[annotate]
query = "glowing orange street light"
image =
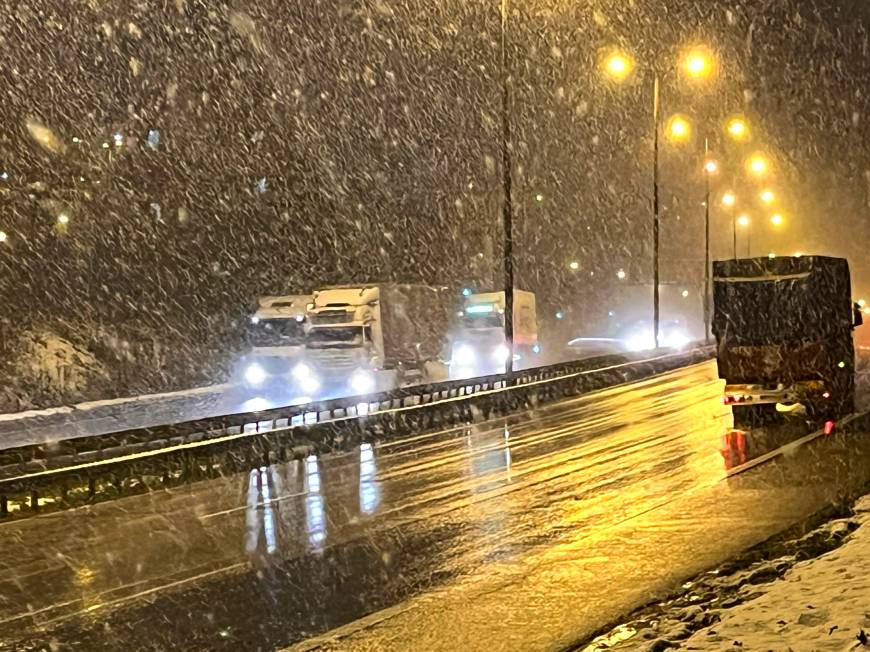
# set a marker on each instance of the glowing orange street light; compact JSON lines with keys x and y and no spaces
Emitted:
{"x":618,"y":66}
{"x":737,"y":128}
{"x":758,"y":165}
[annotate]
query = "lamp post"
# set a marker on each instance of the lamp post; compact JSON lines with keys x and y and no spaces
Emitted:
{"x":697,"y":64}
{"x":710,"y":168}
{"x":507,"y":188}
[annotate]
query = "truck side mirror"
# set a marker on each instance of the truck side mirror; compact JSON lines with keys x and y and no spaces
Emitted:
{"x":858,"y":319}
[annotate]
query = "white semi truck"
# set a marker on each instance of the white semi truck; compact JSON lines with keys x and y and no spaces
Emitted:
{"x":368,"y":338}
{"x":276,"y":337}
{"x":478,"y":346}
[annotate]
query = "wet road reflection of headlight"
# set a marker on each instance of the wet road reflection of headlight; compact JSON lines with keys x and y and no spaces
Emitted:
{"x":362,"y":382}
{"x":464,"y":356}
{"x":255,"y":374}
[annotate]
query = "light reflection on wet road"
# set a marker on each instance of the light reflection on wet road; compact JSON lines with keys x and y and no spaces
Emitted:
{"x":507,"y":535}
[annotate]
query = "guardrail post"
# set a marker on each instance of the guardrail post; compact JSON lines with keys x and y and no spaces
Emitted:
{"x":4,"y":506}
{"x":34,"y":500}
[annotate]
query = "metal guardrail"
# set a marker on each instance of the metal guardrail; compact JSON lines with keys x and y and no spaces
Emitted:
{"x":73,"y":471}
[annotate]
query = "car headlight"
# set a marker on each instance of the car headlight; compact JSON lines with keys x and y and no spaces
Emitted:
{"x":464,"y":355}
{"x":640,"y":342}
{"x":255,"y":374}
{"x":362,"y":382}
{"x":302,"y":371}
{"x":676,"y":340}
{"x":500,"y":354}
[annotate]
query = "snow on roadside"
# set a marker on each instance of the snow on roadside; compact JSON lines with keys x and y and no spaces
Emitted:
{"x":819,"y":604}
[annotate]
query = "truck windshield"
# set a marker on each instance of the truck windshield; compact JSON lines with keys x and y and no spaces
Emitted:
{"x":276,"y":332}
{"x":344,"y":336}
{"x":485,"y":320}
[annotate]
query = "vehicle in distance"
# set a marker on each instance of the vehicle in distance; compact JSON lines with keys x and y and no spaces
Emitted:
{"x":368,"y":338}
{"x":783,"y":328}
{"x":276,"y":338}
{"x":478,"y":346}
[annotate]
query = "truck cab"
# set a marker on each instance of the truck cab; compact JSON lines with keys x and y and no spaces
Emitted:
{"x":275,"y":334}
{"x":364,"y":339}
{"x":478,"y":346}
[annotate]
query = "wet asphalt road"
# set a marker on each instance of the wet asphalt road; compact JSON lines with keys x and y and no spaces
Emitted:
{"x":520,"y":534}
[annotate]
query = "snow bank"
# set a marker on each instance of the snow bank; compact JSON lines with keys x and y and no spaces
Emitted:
{"x":820,"y":604}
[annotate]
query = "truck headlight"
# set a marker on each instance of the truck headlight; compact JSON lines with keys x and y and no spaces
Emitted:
{"x":255,"y":374}
{"x":362,"y":382}
{"x":464,"y":356}
{"x":302,"y":371}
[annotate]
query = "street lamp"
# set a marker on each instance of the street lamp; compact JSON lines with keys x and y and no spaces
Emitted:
{"x":698,"y":63}
{"x":679,"y":129}
{"x":710,"y":168}
{"x":574,"y":265}
{"x":737,"y":128}
{"x":3,"y":236}
{"x":758,"y":165}
{"x":767,"y":196}
{"x":507,"y":190}
{"x":776,"y":219}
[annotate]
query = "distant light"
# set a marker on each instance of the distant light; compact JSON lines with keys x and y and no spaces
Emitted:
{"x":698,"y":63}
{"x":841,"y":364}
{"x":482,"y":309}
{"x":559,"y":314}
{"x":771,"y":255}
{"x":3,"y":236}
{"x":63,"y":218}
{"x":539,"y":197}
{"x":729,"y":199}
{"x":862,"y":302}
{"x":255,"y":319}
{"x":737,"y":128}
{"x":153,"y":138}
{"x":76,"y":139}
{"x":743,"y":220}
{"x":574,"y":264}
{"x":798,"y":254}
{"x":611,"y":313}
{"x":678,"y":128}
{"x":618,"y":66}
{"x":867,"y":311}
{"x":776,"y":220}
{"x":711,"y":167}
{"x":829,"y":427}
{"x":466,"y":292}
{"x":105,"y":145}
{"x":118,"y":138}
{"x":300,"y":318}
{"x":536,"y":348}
{"x":767,"y":196}
{"x":4,"y":175}
{"x":758,"y":164}
{"x":685,"y":293}
{"x":620,"y":274}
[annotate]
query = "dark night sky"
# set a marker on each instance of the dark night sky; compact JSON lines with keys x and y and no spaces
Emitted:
{"x":375,"y":125}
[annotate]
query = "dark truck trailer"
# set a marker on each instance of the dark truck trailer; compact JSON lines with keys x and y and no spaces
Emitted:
{"x":783,"y":327}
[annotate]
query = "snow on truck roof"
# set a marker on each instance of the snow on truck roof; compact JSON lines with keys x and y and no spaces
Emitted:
{"x":283,"y":306}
